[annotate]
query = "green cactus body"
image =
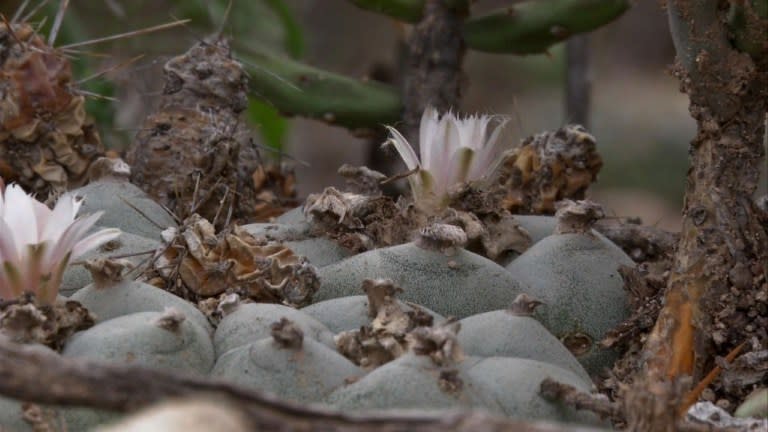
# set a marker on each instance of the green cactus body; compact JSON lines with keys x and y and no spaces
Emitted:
{"x":129,"y":297}
{"x":126,"y":207}
{"x":406,"y":10}
{"x":320,"y":251}
{"x":351,"y":313}
{"x":141,"y":338}
{"x":531,"y":27}
{"x":514,"y":384}
{"x":459,"y":285}
{"x":251,"y":322}
{"x":295,"y":216}
{"x":411,"y":382}
{"x":577,"y":278}
{"x":128,"y":245}
{"x":161,"y":340}
{"x":503,"y":334}
{"x":297,"y":89}
{"x":304,"y":374}
{"x":755,"y":405}
{"x":537,"y":226}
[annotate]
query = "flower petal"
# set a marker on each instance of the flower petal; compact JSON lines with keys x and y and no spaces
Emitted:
{"x":49,"y":288}
{"x":94,"y":240}
{"x":489,"y":156}
{"x":451,"y":142}
{"x":20,"y":217}
{"x":404,"y":149}
{"x":71,"y":236}
{"x":428,"y":143}
{"x":2,"y":200}
{"x":42,"y":217}
{"x":62,"y":216}
{"x":458,"y":168}
{"x":8,"y":250}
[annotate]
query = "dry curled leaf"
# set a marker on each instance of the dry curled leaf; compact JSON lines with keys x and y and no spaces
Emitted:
{"x":207,"y":264}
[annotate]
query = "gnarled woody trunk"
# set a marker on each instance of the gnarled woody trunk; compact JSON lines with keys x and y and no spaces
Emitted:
{"x":722,"y":257}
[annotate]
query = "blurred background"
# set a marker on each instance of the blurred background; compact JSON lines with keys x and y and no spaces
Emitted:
{"x":639,"y":117}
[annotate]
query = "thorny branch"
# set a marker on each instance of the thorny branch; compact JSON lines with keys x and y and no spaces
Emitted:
{"x":125,"y":388}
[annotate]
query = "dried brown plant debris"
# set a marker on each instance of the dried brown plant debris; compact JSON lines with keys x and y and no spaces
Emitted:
{"x":385,"y":338}
{"x":275,"y":186}
{"x":491,"y":230}
{"x":549,"y":167}
{"x":286,"y":334}
{"x":47,"y":142}
{"x":24,"y":321}
{"x":193,"y":155}
{"x":362,"y":222}
{"x":439,"y":342}
{"x":197,"y":263}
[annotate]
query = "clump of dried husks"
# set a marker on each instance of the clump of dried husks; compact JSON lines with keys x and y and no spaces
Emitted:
{"x":47,"y":142}
{"x":275,"y":191}
{"x":197,"y":263}
{"x":549,"y":167}
{"x":362,"y":222}
{"x":24,"y":320}
{"x":491,"y":230}
{"x":385,"y":338}
{"x":193,"y":155}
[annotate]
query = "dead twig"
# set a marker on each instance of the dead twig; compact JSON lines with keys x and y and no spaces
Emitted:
{"x":125,"y":388}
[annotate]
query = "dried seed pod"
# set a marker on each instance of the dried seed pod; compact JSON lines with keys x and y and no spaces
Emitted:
{"x":47,"y":143}
{"x":547,"y":168}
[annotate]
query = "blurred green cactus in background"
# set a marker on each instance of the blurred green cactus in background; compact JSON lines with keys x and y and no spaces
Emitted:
{"x":529,"y":27}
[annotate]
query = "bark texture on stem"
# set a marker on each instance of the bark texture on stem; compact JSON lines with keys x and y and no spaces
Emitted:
{"x":578,"y":81}
{"x":433,"y":72}
{"x":722,"y":258}
{"x":125,"y":388}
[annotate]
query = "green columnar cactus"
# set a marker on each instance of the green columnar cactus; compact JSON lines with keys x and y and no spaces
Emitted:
{"x":405,"y":10}
{"x":748,"y":37}
{"x":298,"y":89}
{"x":531,"y":27}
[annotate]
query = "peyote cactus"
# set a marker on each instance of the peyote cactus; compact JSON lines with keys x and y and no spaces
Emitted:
{"x":474,"y":293}
{"x":575,"y":273}
{"x":434,"y":271}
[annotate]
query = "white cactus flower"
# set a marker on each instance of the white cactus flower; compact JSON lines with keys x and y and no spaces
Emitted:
{"x":37,"y":243}
{"x":453,"y":150}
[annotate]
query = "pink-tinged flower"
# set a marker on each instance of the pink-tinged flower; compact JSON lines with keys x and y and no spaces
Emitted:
{"x":37,"y":243}
{"x":453,"y":150}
